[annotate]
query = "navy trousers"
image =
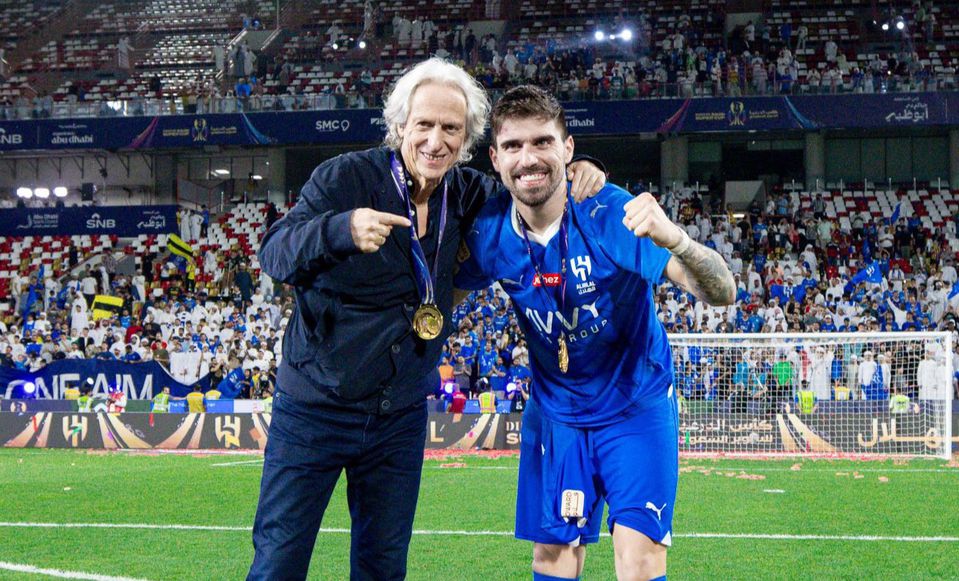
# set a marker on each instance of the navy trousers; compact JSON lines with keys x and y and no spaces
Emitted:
{"x":308,"y":447}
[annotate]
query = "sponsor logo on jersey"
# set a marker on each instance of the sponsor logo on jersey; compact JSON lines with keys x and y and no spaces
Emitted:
{"x":504,"y":282}
{"x":548,"y":279}
{"x":588,"y":315}
{"x":592,"y":213}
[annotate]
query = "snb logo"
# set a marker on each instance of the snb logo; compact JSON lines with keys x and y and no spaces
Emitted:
{"x":96,"y":221}
{"x":332,"y":126}
{"x":10,"y":138}
{"x":582,"y":267}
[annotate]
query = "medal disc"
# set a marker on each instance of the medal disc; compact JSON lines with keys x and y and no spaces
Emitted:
{"x":427,"y":322}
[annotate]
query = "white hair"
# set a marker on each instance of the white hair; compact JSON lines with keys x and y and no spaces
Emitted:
{"x":439,"y":71}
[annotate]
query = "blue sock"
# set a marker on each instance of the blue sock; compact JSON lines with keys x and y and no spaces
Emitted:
{"x":545,"y":577}
{"x":663,"y":578}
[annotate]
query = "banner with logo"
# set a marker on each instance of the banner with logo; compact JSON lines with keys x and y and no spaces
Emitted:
{"x":245,"y":431}
{"x":862,"y":433}
{"x":92,"y":133}
{"x":135,"y":431}
{"x":137,"y":380}
{"x":877,"y":111}
{"x":15,"y":135}
{"x":348,"y":126}
{"x":109,"y":220}
{"x":852,"y":432}
{"x":366,"y":126}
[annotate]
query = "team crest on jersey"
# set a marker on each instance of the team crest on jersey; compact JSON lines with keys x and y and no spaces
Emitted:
{"x":582,"y":267}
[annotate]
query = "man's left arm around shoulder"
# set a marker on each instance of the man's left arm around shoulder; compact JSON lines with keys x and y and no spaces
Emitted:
{"x":587,"y":176}
{"x":700,"y":270}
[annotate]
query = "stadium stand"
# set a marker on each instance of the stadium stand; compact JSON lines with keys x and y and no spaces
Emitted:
{"x":677,"y":49}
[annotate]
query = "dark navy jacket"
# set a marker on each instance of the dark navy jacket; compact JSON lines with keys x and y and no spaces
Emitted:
{"x":349,"y":343}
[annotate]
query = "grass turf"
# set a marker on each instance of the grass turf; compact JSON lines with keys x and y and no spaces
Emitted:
{"x":474,"y":493}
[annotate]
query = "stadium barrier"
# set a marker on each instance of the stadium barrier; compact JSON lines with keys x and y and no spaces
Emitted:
{"x":213,"y":431}
{"x":873,"y":433}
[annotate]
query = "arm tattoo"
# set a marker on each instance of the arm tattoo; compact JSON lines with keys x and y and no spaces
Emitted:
{"x":709,"y":277}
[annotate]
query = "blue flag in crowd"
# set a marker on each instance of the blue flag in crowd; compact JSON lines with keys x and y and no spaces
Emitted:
{"x":62,"y":297}
{"x":778,"y":291}
{"x":32,"y":295}
{"x":180,"y":262}
{"x":230,"y":386}
{"x":871,"y":273}
{"x":895,"y":215}
{"x":955,"y":290}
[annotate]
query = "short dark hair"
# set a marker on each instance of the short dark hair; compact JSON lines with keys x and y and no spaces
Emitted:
{"x":527,"y":101}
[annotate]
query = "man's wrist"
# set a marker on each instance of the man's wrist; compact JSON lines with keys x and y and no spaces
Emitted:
{"x":682,"y":246}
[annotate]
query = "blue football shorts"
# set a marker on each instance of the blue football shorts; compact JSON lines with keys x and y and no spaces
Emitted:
{"x":567,"y":474}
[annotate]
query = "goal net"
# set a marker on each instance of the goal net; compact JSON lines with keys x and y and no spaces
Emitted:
{"x":829,"y":394}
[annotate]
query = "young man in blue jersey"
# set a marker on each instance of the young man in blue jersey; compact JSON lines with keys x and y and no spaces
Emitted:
{"x":601,"y":422}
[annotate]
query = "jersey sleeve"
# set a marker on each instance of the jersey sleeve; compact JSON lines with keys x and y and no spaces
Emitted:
{"x":639,"y":255}
{"x":470,"y":273}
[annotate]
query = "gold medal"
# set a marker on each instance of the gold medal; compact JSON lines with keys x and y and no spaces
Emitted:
{"x":563,"y":355}
{"x":427,"y":322}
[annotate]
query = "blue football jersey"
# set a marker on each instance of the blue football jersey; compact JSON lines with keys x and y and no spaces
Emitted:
{"x":618,"y":353}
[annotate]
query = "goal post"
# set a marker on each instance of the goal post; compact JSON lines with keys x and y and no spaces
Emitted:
{"x":815,"y":394}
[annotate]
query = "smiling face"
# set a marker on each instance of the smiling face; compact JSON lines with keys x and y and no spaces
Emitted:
{"x":530,"y":154}
{"x":434,"y":132}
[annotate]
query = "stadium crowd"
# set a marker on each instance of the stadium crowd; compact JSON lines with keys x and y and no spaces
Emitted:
{"x":796,"y":269}
{"x":684,"y":57}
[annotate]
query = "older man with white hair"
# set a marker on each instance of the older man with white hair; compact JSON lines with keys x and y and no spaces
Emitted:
{"x":369,"y":250}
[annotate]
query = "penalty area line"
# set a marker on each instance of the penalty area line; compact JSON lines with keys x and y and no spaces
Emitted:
{"x":426,"y":532}
{"x":30,"y":569}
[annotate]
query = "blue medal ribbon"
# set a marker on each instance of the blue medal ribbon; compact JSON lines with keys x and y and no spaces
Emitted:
{"x":425,"y":278}
{"x":563,"y":253}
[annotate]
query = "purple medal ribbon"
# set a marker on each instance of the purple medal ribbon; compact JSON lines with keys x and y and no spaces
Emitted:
{"x":424,"y":277}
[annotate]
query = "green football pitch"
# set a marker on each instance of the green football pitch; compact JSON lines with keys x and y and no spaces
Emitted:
{"x":137,"y":516}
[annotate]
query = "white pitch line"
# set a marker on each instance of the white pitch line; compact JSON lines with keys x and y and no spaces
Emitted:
{"x":19,"y":568}
{"x":241,"y":463}
{"x":174,"y":527}
{"x":770,"y":537}
{"x":423,"y":532}
{"x":835,"y":469}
